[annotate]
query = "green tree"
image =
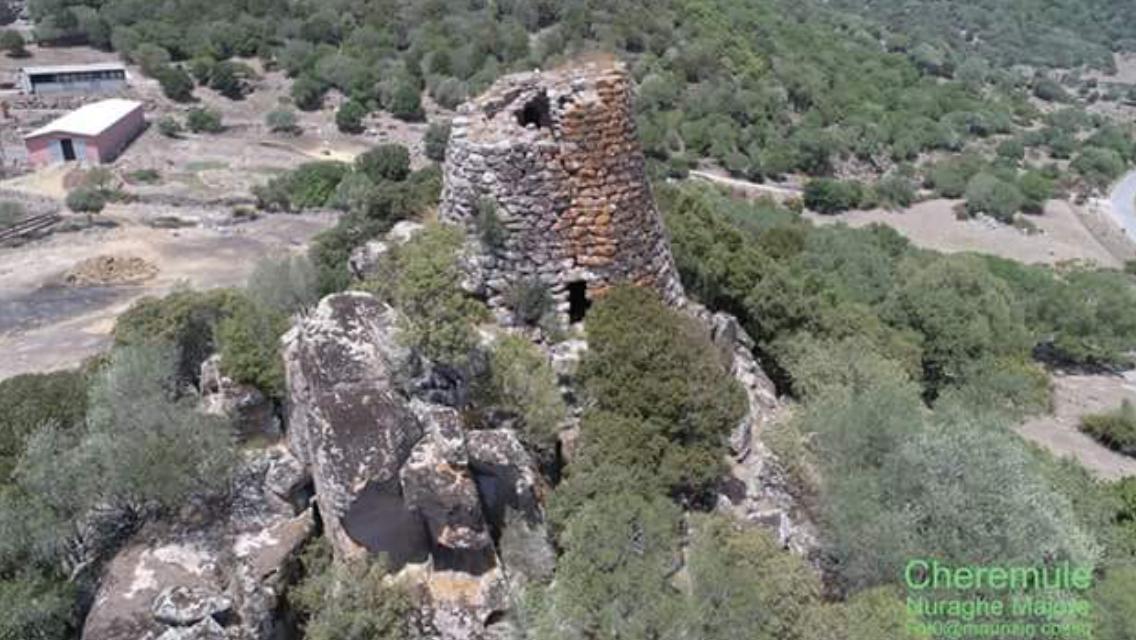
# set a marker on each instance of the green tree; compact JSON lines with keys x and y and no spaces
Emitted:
{"x":86,"y":200}
{"x":176,"y":83}
{"x":986,"y":193}
{"x":12,"y":42}
{"x":249,"y":340}
{"x":688,"y":399}
{"x":307,"y":93}
{"x":349,"y":117}
{"x":32,"y":607}
{"x":437,"y":316}
{"x":825,"y":195}
{"x":384,"y":162}
{"x":151,"y":57}
{"x":285,"y":284}
{"x":225,"y":78}
{"x":32,"y":400}
{"x":406,"y":102}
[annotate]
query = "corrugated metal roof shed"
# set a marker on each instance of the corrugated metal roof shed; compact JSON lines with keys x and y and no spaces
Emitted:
{"x":73,"y":68}
{"x":89,"y":120}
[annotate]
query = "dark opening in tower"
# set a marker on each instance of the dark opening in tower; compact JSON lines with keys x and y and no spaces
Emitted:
{"x":537,"y":112}
{"x":578,"y":302}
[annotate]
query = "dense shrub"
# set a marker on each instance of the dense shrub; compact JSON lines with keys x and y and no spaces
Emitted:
{"x":489,"y":225}
{"x":435,"y":141}
{"x":406,"y":103}
{"x":993,"y":196}
{"x":349,"y":117}
{"x":176,"y":83}
{"x":530,"y":301}
{"x":307,"y":93}
{"x":86,"y":200}
{"x":284,"y":284}
{"x":309,"y":186}
{"x":521,"y":381}
{"x":204,"y":120}
{"x":1116,"y":429}
{"x":249,"y":341}
{"x":688,"y":400}
{"x":11,"y":211}
{"x":282,"y":121}
{"x":169,"y":127}
{"x":384,"y":162}
{"x":825,"y":195}
{"x":34,"y":608}
{"x":341,"y":600}
{"x":31,"y":400}
{"x":437,"y":316}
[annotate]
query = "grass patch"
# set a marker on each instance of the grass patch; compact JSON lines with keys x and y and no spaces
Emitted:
{"x":205,"y":165}
{"x":1116,"y":429}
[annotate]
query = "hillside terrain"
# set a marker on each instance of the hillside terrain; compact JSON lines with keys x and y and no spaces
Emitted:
{"x":634,"y":320}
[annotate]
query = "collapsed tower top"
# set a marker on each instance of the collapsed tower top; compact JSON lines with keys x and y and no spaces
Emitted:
{"x":546,"y":168}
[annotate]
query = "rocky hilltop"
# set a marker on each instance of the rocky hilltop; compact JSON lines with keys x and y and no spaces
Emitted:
{"x":377,"y":450}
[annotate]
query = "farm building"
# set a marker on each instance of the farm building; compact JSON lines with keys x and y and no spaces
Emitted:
{"x":77,"y":78}
{"x":94,"y":133}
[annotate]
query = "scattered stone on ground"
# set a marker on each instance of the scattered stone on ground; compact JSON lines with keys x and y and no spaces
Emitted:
{"x":108,"y":270}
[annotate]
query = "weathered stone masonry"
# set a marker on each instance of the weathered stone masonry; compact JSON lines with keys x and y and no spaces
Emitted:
{"x":557,"y":154}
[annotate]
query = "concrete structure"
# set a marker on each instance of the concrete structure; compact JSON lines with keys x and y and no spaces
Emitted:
{"x":94,"y":133}
{"x":100,"y":77}
{"x":555,"y":157}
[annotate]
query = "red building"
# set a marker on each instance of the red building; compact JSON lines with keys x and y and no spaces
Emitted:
{"x":94,"y":134}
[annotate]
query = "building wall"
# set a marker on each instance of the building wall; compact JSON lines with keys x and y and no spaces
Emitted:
{"x":47,"y":149}
{"x":558,"y":156}
{"x":111,"y":142}
{"x":94,"y":85}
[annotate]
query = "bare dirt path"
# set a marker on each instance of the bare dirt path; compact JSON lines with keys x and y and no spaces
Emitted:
{"x":745,"y":187}
{"x":1075,"y":396}
{"x":44,"y":326}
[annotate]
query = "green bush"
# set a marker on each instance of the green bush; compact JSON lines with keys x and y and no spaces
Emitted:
{"x":12,"y":42}
{"x":309,"y":186}
{"x":185,"y":319}
{"x":200,"y":120}
{"x":164,"y":451}
{"x":226,"y":78}
{"x":249,"y":341}
{"x":1116,"y":429}
{"x":489,"y":226}
{"x":282,"y":121}
{"x":176,"y":83}
{"x":406,"y":103}
{"x":285,"y":284}
{"x":33,"y":608}
{"x":349,"y":117}
{"x":1114,"y":603}
{"x":649,"y":362}
{"x":825,"y":195}
{"x":996,"y":198}
{"x":307,"y":93}
{"x":350,"y":600}
{"x":169,"y":127}
{"x":435,"y":141}
{"x":438,"y":318}
{"x":385,"y":162}
{"x":530,"y":301}
{"x":521,"y":381}
{"x":144,"y":176}
{"x":86,"y":200}
{"x":31,"y":400}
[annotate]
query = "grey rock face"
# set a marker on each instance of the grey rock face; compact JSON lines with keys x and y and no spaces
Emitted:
{"x":365,"y":260}
{"x":348,"y":422}
{"x":219,"y":579}
{"x":182,"y":606}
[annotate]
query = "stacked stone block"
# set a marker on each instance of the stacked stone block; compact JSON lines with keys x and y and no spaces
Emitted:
{"x":556,"y":156}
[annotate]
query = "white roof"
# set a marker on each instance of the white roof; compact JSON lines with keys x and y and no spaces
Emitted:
{"x":74,"y":68}
{"x":89,"y":120}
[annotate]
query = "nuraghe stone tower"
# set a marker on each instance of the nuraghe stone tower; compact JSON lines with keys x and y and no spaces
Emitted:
{"x":555,"y":155}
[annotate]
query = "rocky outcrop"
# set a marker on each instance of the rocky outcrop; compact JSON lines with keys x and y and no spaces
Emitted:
{"x":250,"y":412}
{"x":396,"y":472}
{"x":366,"y":260}
{"x":210,"y":576}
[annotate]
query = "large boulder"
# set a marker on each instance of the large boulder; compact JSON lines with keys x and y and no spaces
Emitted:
{"x":350,"y":424}
{"x":208,"y":575}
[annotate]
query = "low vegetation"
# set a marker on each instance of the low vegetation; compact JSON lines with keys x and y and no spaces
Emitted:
{"x":1116,"y":429}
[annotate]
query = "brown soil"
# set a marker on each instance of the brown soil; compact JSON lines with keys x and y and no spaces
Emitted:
{"x":107,"y":270}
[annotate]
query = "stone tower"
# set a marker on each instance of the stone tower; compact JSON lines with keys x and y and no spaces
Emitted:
{"x":550,"y":161}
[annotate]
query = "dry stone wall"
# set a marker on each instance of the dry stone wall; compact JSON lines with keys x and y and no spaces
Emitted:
{"x":555,"y":157}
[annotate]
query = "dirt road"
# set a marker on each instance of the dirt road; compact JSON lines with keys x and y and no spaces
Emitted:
{"x":1075,"y":396}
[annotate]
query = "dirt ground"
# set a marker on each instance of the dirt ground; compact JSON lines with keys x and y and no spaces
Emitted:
{"x":45,"y":326}
{"x":932,"y":225}
{"x":1075,"y":396}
